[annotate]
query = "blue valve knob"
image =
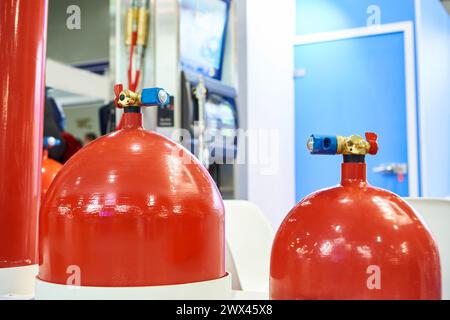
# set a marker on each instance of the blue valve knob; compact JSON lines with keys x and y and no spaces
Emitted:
{"x":318,"y":144}
{"x":154,"y":97}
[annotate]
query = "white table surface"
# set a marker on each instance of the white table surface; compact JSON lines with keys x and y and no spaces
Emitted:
{"x":236,"y":295}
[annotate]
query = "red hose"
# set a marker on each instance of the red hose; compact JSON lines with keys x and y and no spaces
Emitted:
{"x":132,"y":83}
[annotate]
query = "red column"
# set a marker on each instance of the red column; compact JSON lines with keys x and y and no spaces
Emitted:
{"x":23,"y":25}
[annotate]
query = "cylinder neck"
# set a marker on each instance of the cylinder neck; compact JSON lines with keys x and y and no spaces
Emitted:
{"x":132,"y":118}
{"x":353,"y":172}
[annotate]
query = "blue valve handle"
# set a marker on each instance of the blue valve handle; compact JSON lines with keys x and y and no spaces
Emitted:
{"x":320,"y":144}
{"x":50,"y":142}
{"x":154,"y":97}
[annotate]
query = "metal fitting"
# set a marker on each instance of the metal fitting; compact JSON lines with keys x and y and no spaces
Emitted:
{"x":352,"y":145}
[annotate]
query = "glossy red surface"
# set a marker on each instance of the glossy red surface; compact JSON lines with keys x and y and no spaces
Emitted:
{"x":354,"y":241}
{"x":49,"y":170}
{"x":22,"y":59}
{"x":132,"y":209}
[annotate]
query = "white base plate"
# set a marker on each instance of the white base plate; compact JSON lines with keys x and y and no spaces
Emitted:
{"x":18,"y":281}
{"x":219,"y":289}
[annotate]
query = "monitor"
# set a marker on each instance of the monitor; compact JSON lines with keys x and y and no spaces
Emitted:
{"x":203,"y":25}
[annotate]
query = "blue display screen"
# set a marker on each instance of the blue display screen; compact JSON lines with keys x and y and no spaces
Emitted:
{"x":202,"y":35}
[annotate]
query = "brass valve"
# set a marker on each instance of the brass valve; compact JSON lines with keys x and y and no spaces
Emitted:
{"x":354,"y":144}
{"x":128,"y":98}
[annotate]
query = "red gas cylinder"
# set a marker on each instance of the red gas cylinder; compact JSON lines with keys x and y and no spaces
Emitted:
{"x":50,"y":167}
{"x":131,"y":209}
{"x":22,"y":61}
{"x":353,"y":241}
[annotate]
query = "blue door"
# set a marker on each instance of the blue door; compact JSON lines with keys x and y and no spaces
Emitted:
{"x":349,"y":87}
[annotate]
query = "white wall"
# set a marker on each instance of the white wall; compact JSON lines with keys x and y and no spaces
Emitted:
{"x":266,"y":88}
{"x":90,"y":43}
{"x":433,"y":41}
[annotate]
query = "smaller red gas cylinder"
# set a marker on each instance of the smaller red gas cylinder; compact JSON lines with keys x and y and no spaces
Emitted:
{"x":353,"y":241}
{"x":50,"y":167}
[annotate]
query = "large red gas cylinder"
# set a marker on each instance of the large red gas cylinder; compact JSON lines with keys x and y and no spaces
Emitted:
{"x":50,"y":167}
{"x":22,"y":61}
{"x":132,"y":209}
{"x":353,"y":241}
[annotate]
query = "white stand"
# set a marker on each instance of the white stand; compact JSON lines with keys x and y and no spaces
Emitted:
{"x":18,"y":281}
{"x":219,"y":289}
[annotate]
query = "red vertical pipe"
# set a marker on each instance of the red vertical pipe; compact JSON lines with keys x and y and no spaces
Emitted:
{"x":23,"y":25}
